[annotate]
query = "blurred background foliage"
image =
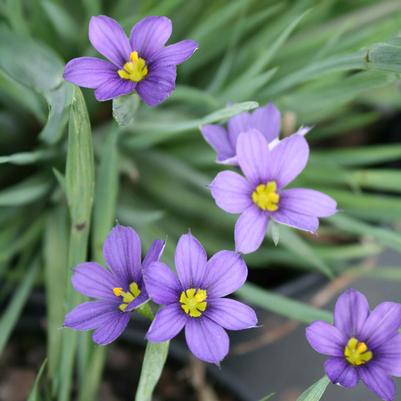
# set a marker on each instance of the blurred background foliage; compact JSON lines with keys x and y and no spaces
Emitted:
{"x":333,"y":64}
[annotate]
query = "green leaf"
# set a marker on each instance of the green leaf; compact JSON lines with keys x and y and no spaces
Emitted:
{"x":34,"y":393}
{"x":25,"y":192}
{"x":352,"y":225}
{"x":383,"y":56}
{"x":63,"y":23}
{"x":282,"y":305}
{"x":267,"y":397}
{"x":17,"y":302}
{"x":154,"y":360}
{"x":59,"y":101}
{"x":79,"y":174}
{"x":106,"y":193}
{"x":25,"y":158}
{"x":275,"y":230}
{"x":43,"y":73}
{"x":151,"y":133}
{"x":80,"y":192}
{"x":125,"y":108}
{"x":316,"y":391}
{"x":301,"y":248}
{"x":55,"y":261}
{"x":29,"y":62}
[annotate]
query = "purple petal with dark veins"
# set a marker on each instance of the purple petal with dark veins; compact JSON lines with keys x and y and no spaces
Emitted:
{"x":89,"y":72}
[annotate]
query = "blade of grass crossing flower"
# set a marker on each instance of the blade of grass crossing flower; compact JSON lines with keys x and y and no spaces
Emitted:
{"x":153,"y":363}
{"x":282,"y":305}
{"x":316,"y":391}
{"x":151,"y":133}
{"x":14,"y":308}
{"x":106,"y":191}
{"x":55,"y":258}
{"x":34,"y":393}
{"x":80,"y":192}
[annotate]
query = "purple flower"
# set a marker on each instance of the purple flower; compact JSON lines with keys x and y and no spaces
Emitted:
{"x":361,"y":344}
{"x":266,"y":120}
{"x":141,"y":63}
{"x":261,"y":194}
{"x":195,"y":300}
{"x":117,"y":290}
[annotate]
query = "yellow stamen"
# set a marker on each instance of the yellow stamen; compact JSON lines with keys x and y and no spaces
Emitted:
{"x":127,"y":297}
{"x":134,"y":70}
{"x":357,"y":353}
{"x":266,"y":197}
{"x":193,"y":302}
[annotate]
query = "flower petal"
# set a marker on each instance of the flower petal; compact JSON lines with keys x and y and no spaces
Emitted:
{"x":389,"y":356}
{"x":341,"y":372}
{"x":157,"y":86}
{"x":351,"y":312}
{"x":308,"y":201}
{"x":267,"y":120}
{"x":161,"y":283}
{"x":109,"y":39}
{"x":217,"y":137}
{"x":231,"y":314}
{"x":326,"y":339}
{"x":112,"y":329}
{"x":288,"y":159}
{"x":154,"y":253}
{"x":190,"y":261}
{"x":250,"y":230}
{"x":168,"y":322}
{"x":206,"y":339}
{"x":174,"y":54}
{"x":231,"y":192}
{"x":236,"y":125}
{"x":296,"y":220}
{"x":382,"y":324}
{"x":226,"y":271}
{"x":89,"y":72}
{"x":149,"y":35}
{"x":94,"y":281}
{"x":91,"y":315}
{"x":114,"y":88}
{"x":377,"y":381}
{"x":253,"y":156}
{"x":122,"y":252}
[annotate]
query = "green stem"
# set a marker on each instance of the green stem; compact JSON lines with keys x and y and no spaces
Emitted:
{"x":152,"y":367}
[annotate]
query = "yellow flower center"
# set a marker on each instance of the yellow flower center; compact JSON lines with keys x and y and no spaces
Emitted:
{"x":127,"y":297}
{"x":357,"y":353}
{"x":134,"y":70}
{"x":266,"y":197}
{"x":193,"y":302}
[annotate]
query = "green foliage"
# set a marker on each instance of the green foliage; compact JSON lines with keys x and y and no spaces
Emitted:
{"x":333,"y":65}
{"x":316,"y":391}
{"x":155,"y":357}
